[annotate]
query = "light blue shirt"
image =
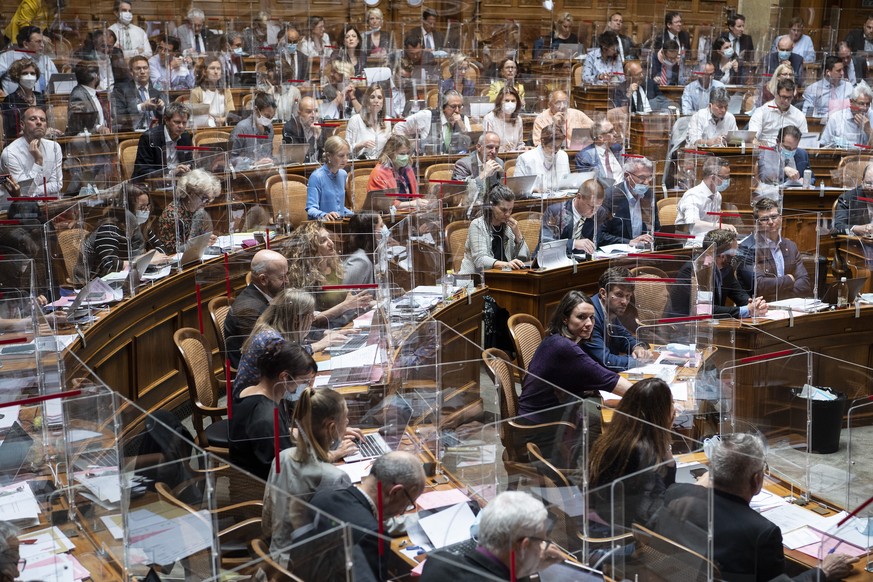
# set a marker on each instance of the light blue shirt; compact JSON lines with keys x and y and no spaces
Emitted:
{"x":595,"y":65}
{"x":325,"y":193}
{"x":695,"y":97}
{"x":822,"y":97}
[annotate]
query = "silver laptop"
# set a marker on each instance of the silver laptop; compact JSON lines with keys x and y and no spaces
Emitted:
{"x":809,"y":140}
{"x":479,"y":106}
{"x":196,"y":247}
{"x":574,"y":180}
{"x":736,"y":138}
{"x":521,"y":185}
{"x":567,"y":51}
{"x":292,"y":154}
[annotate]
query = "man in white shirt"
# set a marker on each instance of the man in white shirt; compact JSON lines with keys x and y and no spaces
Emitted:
{"x":452,"y":124}
{"x":548,"y":161}
{"x":560,"y":114}
{"x":696,"y":94}
{"x":851,"y":126}
{"x":802,"y":43}
{"x":132,"y":40}
{"x":710,"y":125}
{"x":767,"y":120}
{"x":696,"y":204}
{"x":33,"y":161}
{"x":830,"y":94}
{"x":32,"y":46}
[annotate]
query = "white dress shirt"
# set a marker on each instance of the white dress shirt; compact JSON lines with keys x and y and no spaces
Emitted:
{"x":131,"y":38}
{"x":533,"y":163}
{"x":823,"y":97}
{"x":842,"y":130}
{"x":767,"y":120}
{"x":606,"y":159}
{"x":357,"y":131}
{"x":92,"y":93}
{"x":702,"y":126}
{"x":695,"y":204}
{"x":17,"y":161}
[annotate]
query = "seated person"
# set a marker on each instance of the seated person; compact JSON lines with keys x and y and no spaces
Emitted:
{"x":31,"y":44}
{"x":505,"y":120}
{"x":767,"y":90}
{"x":320,"y":417}
{"x":508,"y":70}
{"x":697,"y":93}
{"x":769,"y":265}
{"x":783,"y":55}
{"x":136,"y":103}
{"x":156,"y":151}
{"x":10,"y":558}
{"x":326,"y":189}
{"x":494,"y":240}
{"x":512,"y":528}
{"x":169,"y":70}
{"x":85,"y":111}
{"x":377,"y":44}
{"x":696,"y":204}
{"x":559,"y":114}
{"x":632,"y":203}
{"x":186,"y":217}
{"x":854,"y":66}
{"x":599,"y":157}
{"x":342,"y":96}
{"x":710,"y":125}
{"x":767,"y":120}
{"x":575,"y":220}
{"x":785,"y":164}
{"x":402,"y":480}
{"x":132,"y":39}
{"x":259,"y":150}
{"x":627,"y":50}
{"x":611,"y":344}
{"x":292,"y":63}
{"x":302,"y":129}
{"x":634,"y":455}
{"x":269,"y":275}
{"x":829,"y":94}
{"x":33,"y":158}
{"x":439,"y":131}
{"x":802,"y":43}
{"x":851,"y":215}
{"x":746,"y":545}
{"x":603,"y":65}
{"x":851,"y":126}
{"x":482,"y":169}
{"x":283,"y":368}
{"x":728,"y":68}
{"x":212,"y":90}
{"x":393,"y":172}
{"x":364,"y":231}
{"x":25,"y":72}
{"x":637,"y":92}
{"x":459,"y":64}
{"x":368,"y":131}
{"x":666,"y":67}
{"x":548,"y":161}
{"x":724,"y":283}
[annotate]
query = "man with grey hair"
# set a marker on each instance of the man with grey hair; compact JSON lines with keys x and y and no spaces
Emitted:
{"x":269,"y":277}
{"x":441,"y":130}
{"x":710,"y":125}
{"x":513,"y":521}
{"x":194,"y":36}
{"x":631,"y":203}
{"x":697,"y":203}
{"x":746,"y":545}
{"x":852,"y":216}
{"x":399,"y":476}
{"x":599,"y":157}
{"x":562,"y":115}
{"x":482,"y":169}
{"x":9,"y":556}
{"x":851,"y":126}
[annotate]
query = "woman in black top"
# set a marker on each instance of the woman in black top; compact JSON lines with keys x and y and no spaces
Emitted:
{"x":284,"y":367}
{"x":26,"y":73}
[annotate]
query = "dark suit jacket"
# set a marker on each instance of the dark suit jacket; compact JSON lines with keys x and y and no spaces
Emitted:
{"x":298,"y":70}
{"x":618,"y":94}
{"x":472,"y":566}
{"x":610,"y":341}
{"x":82,"y":114}
{"x":679,"y":303}
{"x":13,"y":108}
{"x":150,"y":156}
{"x":855,"y":40}
{"x":468,"y":167}
{"x":292,"y":132}
{"x":747,"y":47}
{"x":618,"y":229}
{"x":241,"y":318}
{"x":125,"y":98}
{"x":860,"y":64}
{"x":676,"y":77}
{"x":747,"y":546}
{"x":770,"y":285}
{"x":558,"y":224}
{"x":771,"y":61}
{"x":850,"y":211}
{"x":684,"y":40}
{"x":439,"y":39}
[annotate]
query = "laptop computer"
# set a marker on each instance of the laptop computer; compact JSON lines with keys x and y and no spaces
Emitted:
{"x":580,"y":138}
{"x":13,"y":452}
{"x":735,"y":138}
{"x":521,"y":185}
{"x":196,"y":247}
{"x":809,"y":140}
{"x":567,"y":51}
{"x":392,"y":416}
{"x":574,"y":180}
{"x":855,"y":286}
{"x":62,"y":83}
{"x":553,"y":254}
{"x":568,"y":571}
{"x":479,"y":106}
{"x":735,"y":105}
{"x":293,"y":154}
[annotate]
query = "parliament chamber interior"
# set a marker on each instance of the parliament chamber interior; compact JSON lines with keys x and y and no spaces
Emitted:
{"x":532,"y":290}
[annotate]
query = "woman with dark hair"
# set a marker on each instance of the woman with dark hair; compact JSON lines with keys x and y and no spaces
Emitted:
{"x":508,"y":71}
{"x":260,"y":123}
{"x":727,"y":65}
{"x":367,"y":131}
{"x":283,"y":368}
{"x":351,"y":51}
{"x":394,"y":172}
{"x":561,"y":371}
{"x":316,"y":43}
{"x":458,"y":81}
{"x":494,"y":240}
{"x":211,"y":89}
{"x":364,"y":228}
{"x":634,"y":454}
{"x":505,"y":121}
{"x":26,"y":73}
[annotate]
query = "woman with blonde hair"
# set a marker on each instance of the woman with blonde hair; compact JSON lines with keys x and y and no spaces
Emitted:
{"x":562,"y":31}
{"x":326,"y":189}
{"x":377,"y":44}
{"x":211,"y":89}
{"x":458,"y":81}
{"x":394,"y":172}
{"x":367,"y":131}
{"x":186,"y":217}
{"x":768,"y":91}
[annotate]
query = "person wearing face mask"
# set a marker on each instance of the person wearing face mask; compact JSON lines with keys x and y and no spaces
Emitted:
{"x":292,"y":64}
{"x":728,"y":69}
{"x":186,"y":217}
{"x":258,"y":149}
{"x":851,"y":125}
{"x":25,"y":73}
{"x":282,"y":368}
{"x":326,"y":189}
{"x":394,"y":173}
{"x":212,"y":90}
{"x":710,"y":125}
{"x":494,"y":240}
{"x":852,"y":216}
{"x":232,"y":58}
{"x":802,"y":43}
{"x":132,"y":39}
{"x":785,"y":164}
{"x":302,"y":128}
{"x":548,"y":161}
{"x":697,"y":93}
{"x":666,"y":67}
{"x":560,"y":114}
{"x":829,"y":94}
{"x":31,"y":45}
{"x":783,"y":55}
{"x":320,"y":419}
{"x":505,"y":120}
{"x":630,"y":203}
{"x":742,"y":45}
{"x":704,"y":198}
{"x":513,"y":528}
{"x":366,"y":230}
{"x":767,"y":120}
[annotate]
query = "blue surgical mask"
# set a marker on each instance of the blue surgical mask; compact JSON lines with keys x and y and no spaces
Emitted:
{"x":787,"y":154}
{"x":784,"y":55}
{"x":291,"y":48}
{"x":725,"y":184}
{"x":640,"y":190}
{"x":238,"y":51}
{"x":728,"y":52}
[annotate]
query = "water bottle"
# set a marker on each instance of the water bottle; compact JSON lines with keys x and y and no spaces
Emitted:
{"x":280,"y":223}
{"x":807,"y":178}
{"x":843,"y":294}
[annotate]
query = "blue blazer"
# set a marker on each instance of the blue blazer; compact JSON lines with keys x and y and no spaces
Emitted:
{"x":618,"y":229}
{"x":609,"y":340}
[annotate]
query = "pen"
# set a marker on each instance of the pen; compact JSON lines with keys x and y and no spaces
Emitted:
{"x":833,"y":549}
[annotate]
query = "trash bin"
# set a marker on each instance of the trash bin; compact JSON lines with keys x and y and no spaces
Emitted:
{"x":827,"y":422}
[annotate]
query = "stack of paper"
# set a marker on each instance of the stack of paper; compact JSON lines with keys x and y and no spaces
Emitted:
{"x":448,"y":526}
{"x":18,"y":504}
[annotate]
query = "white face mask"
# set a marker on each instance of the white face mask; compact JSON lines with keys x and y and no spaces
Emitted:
{"x":27,"y":81}
{"x":238,"y":50}
{"x":142,"y":216}
{"x":384,"y":232}
{"x":265,"y":121}
{"x":509,"y":107}
{"x":237,"y":214}
{"x":182,"y":71}
{"x":125,"y":17}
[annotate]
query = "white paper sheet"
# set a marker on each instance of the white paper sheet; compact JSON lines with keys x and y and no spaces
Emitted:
{"x":448,"y":526}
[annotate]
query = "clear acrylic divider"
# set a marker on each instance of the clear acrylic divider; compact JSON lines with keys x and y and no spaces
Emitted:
{"x":854,"y":525}
{"x":28,"y":264}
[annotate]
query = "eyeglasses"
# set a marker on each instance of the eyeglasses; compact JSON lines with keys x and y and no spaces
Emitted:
{"x":769,"y":218}
{"x":22,"y":563}
{"x":546,"y":541}
{"x":642,"y":179}
{"x":411,"y":506}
